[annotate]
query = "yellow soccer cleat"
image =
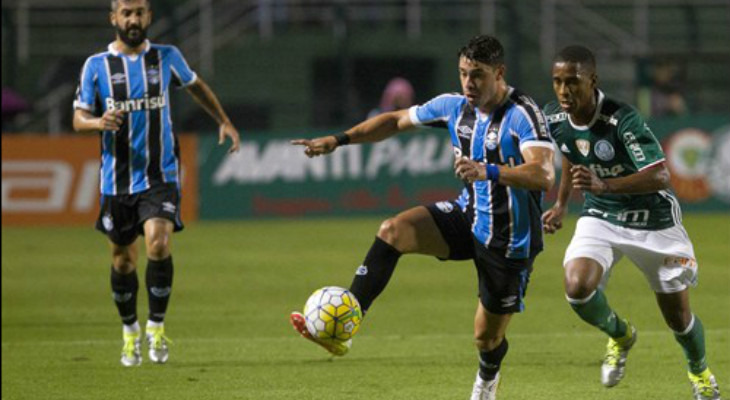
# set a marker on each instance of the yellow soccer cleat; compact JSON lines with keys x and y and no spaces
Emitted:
{"x":157,"y":343}
{"x":131,"y":355}
{"x":704,"y":386}
{"x":614,"y":362}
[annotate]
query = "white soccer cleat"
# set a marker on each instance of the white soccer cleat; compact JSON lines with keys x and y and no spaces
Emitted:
{"x":131,"y":355}
{"x":335,"y":347}
{"x":485,"y":390}
{"x":157,"y":343}
{"x":614,"y":363}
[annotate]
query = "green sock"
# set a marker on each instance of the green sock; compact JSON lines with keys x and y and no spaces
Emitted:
{"x":598,"y":313}
{"x":693,"y":344}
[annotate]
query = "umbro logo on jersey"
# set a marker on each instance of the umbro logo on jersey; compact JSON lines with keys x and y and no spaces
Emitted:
{"x":464,"y":131}
{"x":565,"y":149}
{"x":119,"y":78}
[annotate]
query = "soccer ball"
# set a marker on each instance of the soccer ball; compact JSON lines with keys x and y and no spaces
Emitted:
{"x":332,"y":313}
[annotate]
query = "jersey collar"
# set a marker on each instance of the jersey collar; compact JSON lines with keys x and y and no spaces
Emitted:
{"x":113,"y":50}
{"x":599,"y":103}
{"x":483,"y":117}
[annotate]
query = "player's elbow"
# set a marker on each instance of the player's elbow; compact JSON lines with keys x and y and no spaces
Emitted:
{"x":662,"y":178}
{"x":547,"y":179}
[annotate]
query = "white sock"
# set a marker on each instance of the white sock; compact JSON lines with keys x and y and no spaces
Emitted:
{"x":134,"y":328}
{"x":154,"y":325}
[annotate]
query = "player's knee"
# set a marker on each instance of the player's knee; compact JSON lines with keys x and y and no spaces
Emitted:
{"x":123,"y":263}
{"x":576,"y":288}
{"x":158,"y":248}
{"x":391,"y":232}
{"x":487,"y":342}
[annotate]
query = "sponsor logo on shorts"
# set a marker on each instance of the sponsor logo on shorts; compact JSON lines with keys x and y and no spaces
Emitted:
{"x":362,"y":270}
{"x":445,"y":206}
{"x":168,"y":207}
{"x":106,"y":220}
{"x":509,"y":301}
{"x":604,"y":150}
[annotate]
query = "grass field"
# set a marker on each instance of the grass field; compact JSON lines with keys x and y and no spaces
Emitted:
{"x":235,"y":284}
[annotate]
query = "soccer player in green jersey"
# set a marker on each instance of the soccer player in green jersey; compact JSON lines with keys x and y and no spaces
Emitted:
{"x":611,"y":155}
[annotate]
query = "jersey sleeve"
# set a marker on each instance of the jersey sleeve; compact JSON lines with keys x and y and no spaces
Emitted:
{"x":182,"y":74}
{"x":435,"y":112}
{"x":641,"y":145}
{"x":86,"y":90}
{"x":531,"y":127}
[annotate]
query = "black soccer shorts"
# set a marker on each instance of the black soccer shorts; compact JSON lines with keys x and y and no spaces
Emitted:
{"x":122,"y":217}
{"x":502,"y":281}
{"x":455,"y":227}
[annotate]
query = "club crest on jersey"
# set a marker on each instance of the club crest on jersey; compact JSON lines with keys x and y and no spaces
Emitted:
{"x":604,"y":150}
{"x":153,"y":76}
{"x":584,"y":146}
{"x":492,"y":138}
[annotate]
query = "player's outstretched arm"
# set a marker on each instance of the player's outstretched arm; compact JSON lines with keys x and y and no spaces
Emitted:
{"x":374,"y":129}
{"x":552,"y":219}
{"x":203,"y":95}
{"x":85,"y":122}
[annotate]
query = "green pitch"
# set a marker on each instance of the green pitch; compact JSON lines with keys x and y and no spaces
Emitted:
{"x":235,"y":284}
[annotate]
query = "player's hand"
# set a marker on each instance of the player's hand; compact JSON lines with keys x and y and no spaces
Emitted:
{"x":112,"y":120}
{"x":470,"y":170}
{"x":317,"y":146}
{"x":552,"y":219}
{"x":228,"y":130}
{"x":587,"y":180}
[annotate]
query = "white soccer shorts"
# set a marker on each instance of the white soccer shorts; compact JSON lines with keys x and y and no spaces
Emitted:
{"x":666,"y":256}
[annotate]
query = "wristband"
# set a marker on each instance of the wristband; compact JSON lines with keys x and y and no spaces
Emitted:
{"x":492,"y":172}
{"x":342,"y":139}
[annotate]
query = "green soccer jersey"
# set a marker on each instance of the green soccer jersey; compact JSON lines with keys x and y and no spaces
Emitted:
{"x":617,"y":142}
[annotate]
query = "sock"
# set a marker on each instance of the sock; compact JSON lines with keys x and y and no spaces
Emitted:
{"x":154,"y":325}
{"x":375,"y":272}
{"x":595,"y":310}
{"x":159,"y":287}
{"x":132,"y":328}
{"x":490,"y":361}
{"x":124,"y":292}
{"x":692,"y":341}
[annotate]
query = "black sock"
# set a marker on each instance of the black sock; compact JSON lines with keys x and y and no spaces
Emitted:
{"x":490,"y":361}
{"x":375,"y":272}
{"x":124,"y":292}
{"x":159,"y":287}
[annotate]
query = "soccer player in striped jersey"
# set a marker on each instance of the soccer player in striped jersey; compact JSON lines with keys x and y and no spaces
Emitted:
{"x":504,"y":155}
{"x":140,"y":167}
{"x":611,"y":155}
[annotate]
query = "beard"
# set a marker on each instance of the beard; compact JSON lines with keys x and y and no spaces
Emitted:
{"x":132,"y":36}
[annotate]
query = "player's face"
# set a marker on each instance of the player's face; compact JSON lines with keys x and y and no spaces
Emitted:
{"x":479,"y":81}
{"x":131,"y":20}
{"x":574,"y":87}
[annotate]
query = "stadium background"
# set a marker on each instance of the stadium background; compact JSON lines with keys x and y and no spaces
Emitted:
{"x":300,"y":68}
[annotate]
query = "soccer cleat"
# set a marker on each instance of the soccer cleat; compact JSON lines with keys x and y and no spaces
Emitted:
{"x":704,"y":386}
{"x":336,"y":348}
{"x":485,"y":390}
{"x":131,"y":355}
{"x":614,"y":363}
{"x":157,"y":343}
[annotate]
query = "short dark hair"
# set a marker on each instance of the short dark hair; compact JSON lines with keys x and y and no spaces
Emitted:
{"x":115,"y":3}
{"x":485,"y":49}
{"x":577,"y":54}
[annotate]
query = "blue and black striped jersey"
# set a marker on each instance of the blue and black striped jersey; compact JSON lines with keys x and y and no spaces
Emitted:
{"x":505,"y":218}
{"x":144,"y":152}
